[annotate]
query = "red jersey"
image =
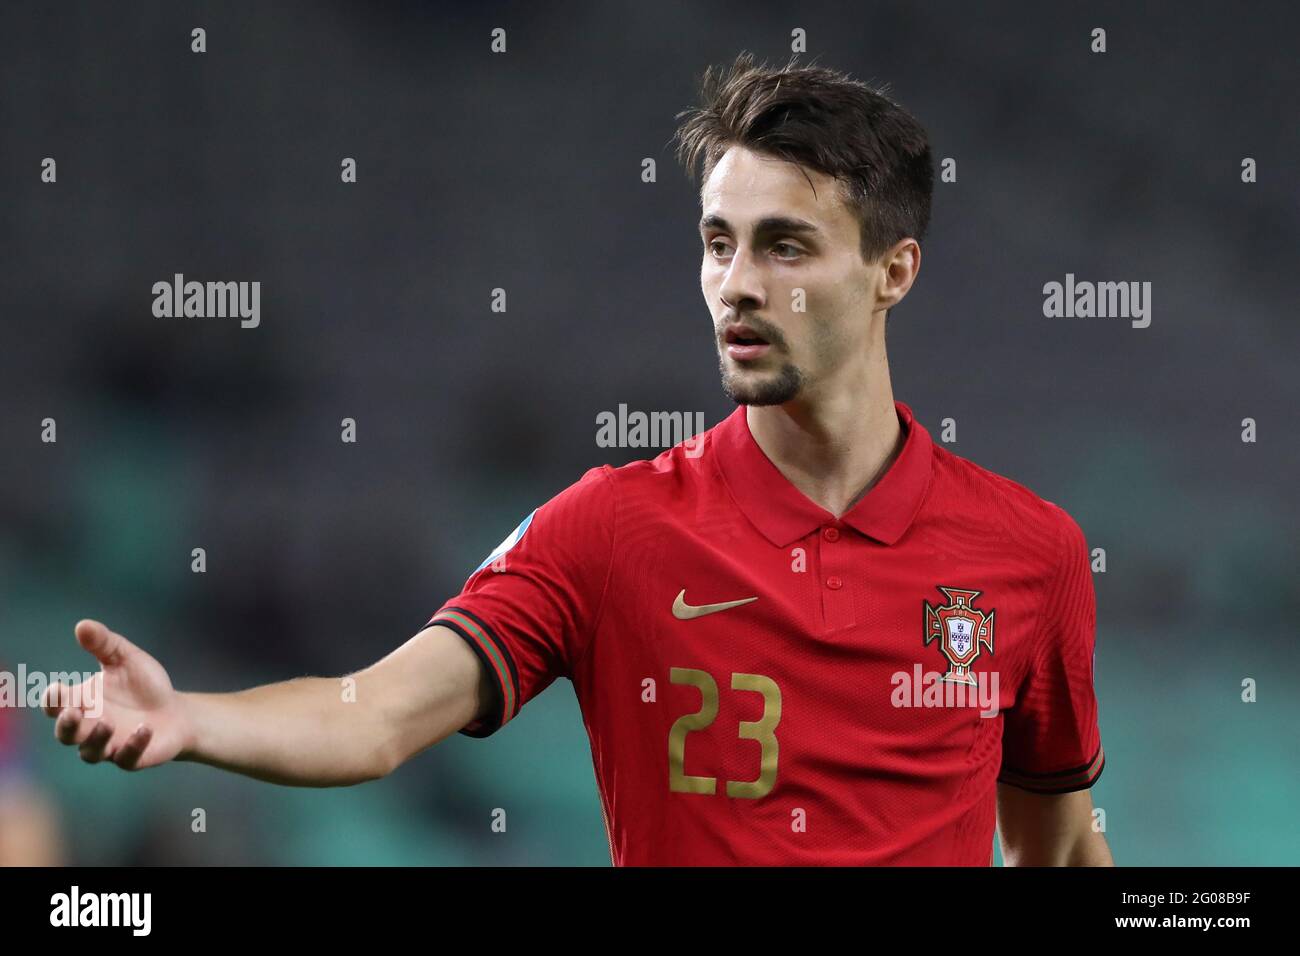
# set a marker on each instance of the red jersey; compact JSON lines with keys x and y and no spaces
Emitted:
{"x":765,"y":683}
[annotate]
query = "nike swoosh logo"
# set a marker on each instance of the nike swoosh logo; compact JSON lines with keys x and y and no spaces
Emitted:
{"x":688,"y":612}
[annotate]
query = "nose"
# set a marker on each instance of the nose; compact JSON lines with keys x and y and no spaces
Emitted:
{"x":742,"y":282}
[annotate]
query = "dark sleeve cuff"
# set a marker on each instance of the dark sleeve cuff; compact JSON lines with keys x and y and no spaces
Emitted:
{"x":495,"y":657}
{"x":1062,"y":781}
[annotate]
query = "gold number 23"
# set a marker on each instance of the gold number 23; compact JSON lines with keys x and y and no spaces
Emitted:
{"x":761,"y":730}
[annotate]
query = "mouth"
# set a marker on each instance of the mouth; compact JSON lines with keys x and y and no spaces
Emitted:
{"x":744,"y":344}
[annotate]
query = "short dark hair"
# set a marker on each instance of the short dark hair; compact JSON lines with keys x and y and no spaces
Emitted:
{"x":824,"y":120}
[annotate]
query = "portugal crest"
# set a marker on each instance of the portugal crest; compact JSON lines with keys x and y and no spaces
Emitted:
{"x":960,"y":629}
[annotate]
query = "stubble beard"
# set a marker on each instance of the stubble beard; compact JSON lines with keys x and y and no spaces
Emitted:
{"x":746,"y":390}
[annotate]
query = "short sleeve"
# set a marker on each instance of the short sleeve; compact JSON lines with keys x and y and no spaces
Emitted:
{"x":1051,"y":742}
{"x":530,"y":609}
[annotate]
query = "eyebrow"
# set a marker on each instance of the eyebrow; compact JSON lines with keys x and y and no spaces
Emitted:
{"x":765,"y":226}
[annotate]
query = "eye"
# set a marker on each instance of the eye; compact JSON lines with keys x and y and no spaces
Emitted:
{"x":711,"y":246}
{"x":795,"y":250}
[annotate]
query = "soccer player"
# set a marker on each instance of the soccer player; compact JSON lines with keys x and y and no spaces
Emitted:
{"x":766,"y":629}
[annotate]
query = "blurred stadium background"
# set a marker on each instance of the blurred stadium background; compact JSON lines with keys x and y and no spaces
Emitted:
{"x":523,"y":171}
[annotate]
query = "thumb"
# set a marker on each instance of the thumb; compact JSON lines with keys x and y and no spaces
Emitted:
{"x":107,"y":647}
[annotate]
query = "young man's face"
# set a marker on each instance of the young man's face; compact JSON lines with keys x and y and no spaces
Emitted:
{"x":767,"y":234}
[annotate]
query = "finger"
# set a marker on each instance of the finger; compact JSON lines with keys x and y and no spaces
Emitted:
{"x":55,"y":698}
{"x":100,"y":641}
{"x":92,"y":748}
{"x":128,"y":755}
{"x":68,"y":725}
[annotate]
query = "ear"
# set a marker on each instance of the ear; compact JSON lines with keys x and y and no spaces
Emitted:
{"x":900,"y":264}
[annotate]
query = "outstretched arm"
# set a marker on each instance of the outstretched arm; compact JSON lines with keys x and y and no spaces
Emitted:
{"x":304,"y":732}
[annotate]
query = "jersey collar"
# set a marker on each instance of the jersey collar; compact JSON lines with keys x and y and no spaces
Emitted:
{"x":783,"y":514}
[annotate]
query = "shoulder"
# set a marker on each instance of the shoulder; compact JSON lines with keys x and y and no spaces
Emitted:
{"x":588,"y":501}
{"x":606,"y":495}
{"x":1001,"y":506}
{"x":662,"y":479}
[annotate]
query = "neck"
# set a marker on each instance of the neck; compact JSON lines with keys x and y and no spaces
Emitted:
{"x":833,"y":447}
